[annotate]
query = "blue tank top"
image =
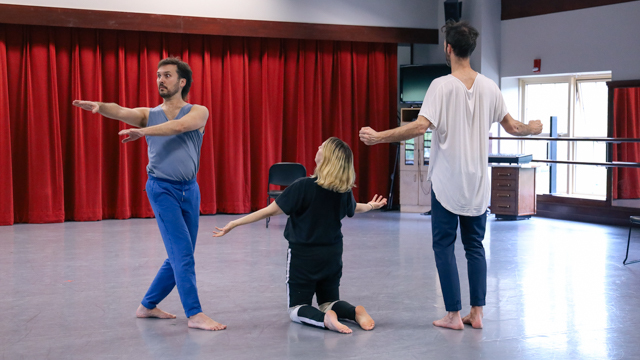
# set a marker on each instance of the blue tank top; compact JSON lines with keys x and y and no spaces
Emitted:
{"x":175,"y":157}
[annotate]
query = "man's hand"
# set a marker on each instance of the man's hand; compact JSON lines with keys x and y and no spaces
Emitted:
{"x":517,"y":128}
{"x":369,"y":136}
{"x":377,"y":202}
{"x":87,"y":105}
{"x":132,"y":134}
{"x":535,"y":126}
{"x":225,"y":230}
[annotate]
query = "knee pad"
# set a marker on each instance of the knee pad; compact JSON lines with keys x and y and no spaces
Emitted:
{"x":326,"y":306}
{"x":293,"y":314}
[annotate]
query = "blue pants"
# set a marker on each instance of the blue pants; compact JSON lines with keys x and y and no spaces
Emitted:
{"x":176,"y":206}
{"x":444,"y":225}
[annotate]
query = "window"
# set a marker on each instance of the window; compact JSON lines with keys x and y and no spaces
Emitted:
{"x":427,"y":147}
{"x":590,"y":120}
{"x":580,"y":104}
{"x":409,"y":149}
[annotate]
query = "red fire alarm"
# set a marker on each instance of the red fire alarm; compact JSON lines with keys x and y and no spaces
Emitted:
{"x":536,"y":65}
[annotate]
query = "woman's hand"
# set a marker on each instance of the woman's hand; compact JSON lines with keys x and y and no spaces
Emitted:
{"x":225,"y":230}
{"x":377,"y":202}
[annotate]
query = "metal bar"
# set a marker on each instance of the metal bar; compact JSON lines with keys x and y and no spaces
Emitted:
{"x":553,"y":153}
{"x":614,"y":164}
{"x":607,"y":140}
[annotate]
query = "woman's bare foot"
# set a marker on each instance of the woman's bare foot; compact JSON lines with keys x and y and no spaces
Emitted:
{"x":143,"y":312}
{"x":474,"y":318}
{"x":451,"y":321}
{"x":363,"y":319}
{"x":332,"y":323}
{"x":203,"y":322}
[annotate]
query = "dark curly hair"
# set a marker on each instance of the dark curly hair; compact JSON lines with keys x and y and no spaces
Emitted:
{"x":461,"y":36}
{"x":184,"y":72}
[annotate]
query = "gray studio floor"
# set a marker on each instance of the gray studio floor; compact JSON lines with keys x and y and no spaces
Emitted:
{"x":556,"y":290}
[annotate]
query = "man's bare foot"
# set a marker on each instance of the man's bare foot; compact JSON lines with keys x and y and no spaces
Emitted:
{"x":203,"y":322}
{"x":332,"y":323}
{"x":474,"y":318}
{"x":143,"y":312}
{"x":451,"y":321}
{"x":363,"y":319}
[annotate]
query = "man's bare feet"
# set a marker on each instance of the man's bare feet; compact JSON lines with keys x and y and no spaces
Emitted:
{"x":203,"y":322}
{"x":143,"y":312}
{"x":332,"y":323}
{"x":474,"y":318}
{"x":363,"y":319}
{"x":451,"y":321}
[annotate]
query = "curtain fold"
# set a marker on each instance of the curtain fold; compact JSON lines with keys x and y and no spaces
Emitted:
{"x":6,"y":172}
{"x":38,"y":190}
{"x":626,"y":124}
{"x":270,"y":100}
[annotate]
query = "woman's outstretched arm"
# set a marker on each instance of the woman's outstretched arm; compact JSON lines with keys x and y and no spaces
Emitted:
{"x":376,"y":203}
{"x":272,"y":210}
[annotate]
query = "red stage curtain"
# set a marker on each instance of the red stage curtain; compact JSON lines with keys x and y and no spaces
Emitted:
{"x":270,"y":100}
{"x":626,"y":124}
{"x":6,"y":174}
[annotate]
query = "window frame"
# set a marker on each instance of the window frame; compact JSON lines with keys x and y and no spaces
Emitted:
{"x":572,"y":80}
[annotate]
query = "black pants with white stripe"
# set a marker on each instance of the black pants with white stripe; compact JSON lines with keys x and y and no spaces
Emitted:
{"x":315,"y":270}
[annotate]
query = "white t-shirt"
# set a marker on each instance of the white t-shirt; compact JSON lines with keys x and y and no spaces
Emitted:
{"x":461,"y":119}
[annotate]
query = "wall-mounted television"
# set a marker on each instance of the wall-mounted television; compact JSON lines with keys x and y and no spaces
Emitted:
{"x":415,"y":80}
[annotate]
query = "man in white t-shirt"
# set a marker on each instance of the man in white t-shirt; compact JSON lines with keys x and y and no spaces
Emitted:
{"x":460,"y":109}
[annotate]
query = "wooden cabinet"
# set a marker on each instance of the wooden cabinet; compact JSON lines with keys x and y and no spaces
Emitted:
{"x":415,"y":190}
{"x":513,"y":192}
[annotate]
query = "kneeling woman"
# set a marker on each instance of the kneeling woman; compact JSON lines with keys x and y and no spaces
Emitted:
{"x":316,"y":206}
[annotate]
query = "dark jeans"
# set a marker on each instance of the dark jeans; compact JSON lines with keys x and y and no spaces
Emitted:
{"x":444,"y":225}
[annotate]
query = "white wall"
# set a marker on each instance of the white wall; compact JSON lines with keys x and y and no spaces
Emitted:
{"x":388,"y":13}
{"x":605,"y":38}
{"x":596,"y":39}
{"x":432,"y":54}
{"x":484,"y":15}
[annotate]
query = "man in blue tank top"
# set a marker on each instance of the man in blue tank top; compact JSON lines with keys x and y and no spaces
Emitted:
{"x":174,"y":132}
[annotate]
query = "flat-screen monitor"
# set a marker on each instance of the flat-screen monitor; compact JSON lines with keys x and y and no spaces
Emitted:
{"x":415,"y":80}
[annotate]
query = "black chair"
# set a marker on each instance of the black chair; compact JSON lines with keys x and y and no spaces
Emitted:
{"x":283,"y":174}
{"x":634,"y":220}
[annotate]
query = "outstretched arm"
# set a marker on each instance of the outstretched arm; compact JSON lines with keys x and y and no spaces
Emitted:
{"x":272,"y":210}
{"x":409,"y":131}
{"x":376,"y":203}
{"x":135,"y":117}
{"x":515,"y":127}
{"x":195,"y":119}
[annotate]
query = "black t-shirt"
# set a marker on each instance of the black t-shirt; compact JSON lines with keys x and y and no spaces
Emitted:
{"x":314,"y":212}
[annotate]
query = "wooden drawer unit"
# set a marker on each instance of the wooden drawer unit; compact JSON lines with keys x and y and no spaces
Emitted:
{"x":504,"y":201}
{"x":504,"y":173}
{"x":500,"y":184}
{"x":513,"y":192}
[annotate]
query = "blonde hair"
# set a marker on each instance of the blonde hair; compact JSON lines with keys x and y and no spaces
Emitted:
{"x":336,"y":172}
